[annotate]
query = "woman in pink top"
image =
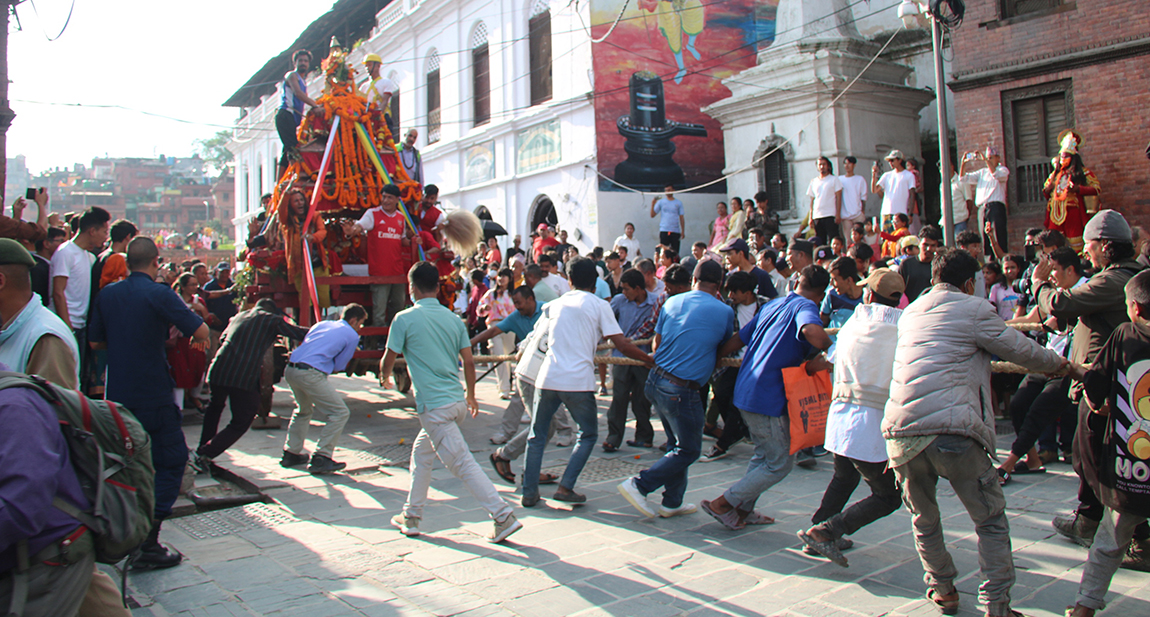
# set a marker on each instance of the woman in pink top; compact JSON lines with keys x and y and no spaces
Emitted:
{"x":496,"y":305}
{"x":719,"y":229}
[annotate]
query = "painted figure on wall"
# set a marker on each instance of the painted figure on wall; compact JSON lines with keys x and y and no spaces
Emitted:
{"x":677,"y":18}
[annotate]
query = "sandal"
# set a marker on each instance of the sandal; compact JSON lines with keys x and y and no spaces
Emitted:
{"x":947,"y":605}
{"x":826,"y":548}
{"x":502,"y":468}
{"x":757,"y":518}
{"x":609,"y":447}
{"x":1003,"y":477}
{"x":548,"y":478}
{"x":639,"y":444}
{"x":1022,"y":468}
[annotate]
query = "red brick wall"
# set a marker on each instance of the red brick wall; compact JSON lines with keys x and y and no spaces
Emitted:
{"x":1109,"y":98}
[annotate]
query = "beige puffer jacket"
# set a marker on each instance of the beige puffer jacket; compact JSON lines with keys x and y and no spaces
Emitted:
{"x":941,"y":379}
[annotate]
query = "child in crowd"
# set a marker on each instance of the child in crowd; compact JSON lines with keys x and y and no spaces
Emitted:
{"x":1000,"y":288}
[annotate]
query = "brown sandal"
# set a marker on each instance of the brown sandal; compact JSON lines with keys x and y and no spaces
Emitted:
{"x":548,"y":478}
{"x":502,"y":468}
{"x":947,"y":605}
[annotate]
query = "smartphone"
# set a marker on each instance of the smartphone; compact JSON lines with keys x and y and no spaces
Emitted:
{"x":30,"y":194}
{"x":1032,"y":253}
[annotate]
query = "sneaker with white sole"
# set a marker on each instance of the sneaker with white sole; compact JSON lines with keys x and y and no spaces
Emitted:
{"x":686,"y":508}
{"x":407,"y":525}
{"x":631,"y":493}
{"x":508,"y":526}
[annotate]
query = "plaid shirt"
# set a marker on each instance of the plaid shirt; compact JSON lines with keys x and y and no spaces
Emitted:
{"x":242,"y":346}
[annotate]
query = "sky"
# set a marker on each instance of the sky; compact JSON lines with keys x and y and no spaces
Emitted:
{"x":178,"y":59}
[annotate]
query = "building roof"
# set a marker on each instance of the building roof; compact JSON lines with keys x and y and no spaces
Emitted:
{"x":348,"y":21}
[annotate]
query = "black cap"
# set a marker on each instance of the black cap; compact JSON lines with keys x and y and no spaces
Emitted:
{"x":824,"y":252}
{"x":709,"y":271}
{"x":736,"y":244}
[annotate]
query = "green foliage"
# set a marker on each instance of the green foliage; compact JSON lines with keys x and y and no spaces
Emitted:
{"x":214,"y":150}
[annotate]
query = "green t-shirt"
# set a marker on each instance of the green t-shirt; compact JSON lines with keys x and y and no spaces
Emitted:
{"x":430,"y":337}
{"x":544,"y":293}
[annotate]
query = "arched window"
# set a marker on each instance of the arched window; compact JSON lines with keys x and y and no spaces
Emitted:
{"x":480,"y":76}
{"x":433,"y":105}
{"x":539,"y":51}
{"x":393,"y":105}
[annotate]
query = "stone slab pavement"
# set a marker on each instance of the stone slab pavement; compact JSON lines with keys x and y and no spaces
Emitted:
{"x":325,"y":546}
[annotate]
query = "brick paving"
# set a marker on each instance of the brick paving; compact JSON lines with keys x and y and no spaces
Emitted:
{"x":325,"y":546}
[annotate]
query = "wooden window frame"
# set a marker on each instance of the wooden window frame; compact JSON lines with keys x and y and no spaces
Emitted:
{"x":539,"y":53}
{"x":1010,"y":158}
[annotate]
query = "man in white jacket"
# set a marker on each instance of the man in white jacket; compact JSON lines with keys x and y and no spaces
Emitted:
{"x":938,"y":423}
{"x":863,"y":360}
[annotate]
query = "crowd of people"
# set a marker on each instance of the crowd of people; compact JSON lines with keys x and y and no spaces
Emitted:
{"x":906,"y":327}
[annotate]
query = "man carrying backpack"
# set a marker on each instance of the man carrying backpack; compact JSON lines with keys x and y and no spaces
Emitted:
{"x":132,"y":319}
{"x":34,"y":469}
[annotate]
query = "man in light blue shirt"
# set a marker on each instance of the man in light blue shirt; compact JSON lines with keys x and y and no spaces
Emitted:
{"x":688,"y":333}
{"x":433,"y":339}
{"x":326,"y":349}
{"x":671,"y":218}
{"x":632,"y":308}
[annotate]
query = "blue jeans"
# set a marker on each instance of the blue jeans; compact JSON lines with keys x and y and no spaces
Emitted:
{"x":681,"y":413}
{"x":771,"y":462}
{"x":960,"y":227}
{"x":583,"y":409}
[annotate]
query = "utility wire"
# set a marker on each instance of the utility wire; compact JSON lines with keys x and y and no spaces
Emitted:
{"x":62,"y":29}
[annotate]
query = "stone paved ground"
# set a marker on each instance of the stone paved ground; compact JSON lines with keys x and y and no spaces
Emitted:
{"x":325,"y":547}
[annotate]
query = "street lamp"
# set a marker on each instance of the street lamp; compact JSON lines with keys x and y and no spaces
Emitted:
{"x":914,"y":15}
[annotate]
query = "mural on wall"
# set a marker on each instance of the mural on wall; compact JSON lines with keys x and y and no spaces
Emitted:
{"x":479,"y":163}
{"x":538,"y":147}
{"x":661,"y":63}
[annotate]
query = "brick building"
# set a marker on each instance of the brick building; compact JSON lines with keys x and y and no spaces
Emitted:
{"x":1024,"y":70}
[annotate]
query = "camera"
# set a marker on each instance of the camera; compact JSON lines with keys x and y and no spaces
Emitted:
{"x":1032,"y":253}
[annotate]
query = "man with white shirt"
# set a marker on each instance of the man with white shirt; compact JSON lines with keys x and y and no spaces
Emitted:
{"x":71,"y":276}
{"x":854,"y":196}
{"x":566,"y":376}
{"x":628,"y":241}
{"x":826,"y":194}
{"x":896,"y":186}
{"x":379,"y":91}
{"x":961,"y":200}
{"x":551,"y":276}
{"x":989,"y":193}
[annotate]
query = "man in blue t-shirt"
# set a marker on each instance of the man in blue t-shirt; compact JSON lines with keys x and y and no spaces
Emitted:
{"x":844,"y":295}
{"x":671,"y":218}
{"x":688,"y":332}
{"x":782,"y":335}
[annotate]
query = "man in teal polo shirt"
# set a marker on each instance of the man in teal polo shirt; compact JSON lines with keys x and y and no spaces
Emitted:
{"x":432,"y":339}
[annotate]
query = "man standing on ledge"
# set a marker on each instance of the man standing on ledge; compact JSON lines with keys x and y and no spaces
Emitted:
{"x":690,"y":328}
{"x":327,"y":348}
{"x":433,"y":340}
{"x":671,"y":219}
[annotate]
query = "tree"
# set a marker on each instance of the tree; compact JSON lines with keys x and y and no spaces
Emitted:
{"x":214,"y":150}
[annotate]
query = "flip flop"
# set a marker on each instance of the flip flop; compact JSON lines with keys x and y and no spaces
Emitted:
{"x":946,"y":607}
{"x":1022,"y":468}
{"x":826,"y":548}
{"x":1003,"y":477}
{"x":502,"y":468}
{"x":757,"y":518}
{"x":548,"y":478}
{"x":609,"y":447}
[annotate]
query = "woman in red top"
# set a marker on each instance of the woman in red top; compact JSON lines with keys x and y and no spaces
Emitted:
{"x":494,"y":255}
{"x":188,"y":364}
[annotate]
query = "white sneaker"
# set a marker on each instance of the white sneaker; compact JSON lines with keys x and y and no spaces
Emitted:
{"x":407,"y":525}
{"x":564,"y":441}
{"x":631,"y":493}
{"x":509,"y":526}
{"x":686,"y":508}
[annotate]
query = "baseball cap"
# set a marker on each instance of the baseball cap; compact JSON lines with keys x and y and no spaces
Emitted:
{"x":736,"y":244}
{"x":708,"y":271}
{"x":223,"y":265}
{"x":1107,"y":225}
{"x":907,"y":241}
{"x":13,"y":253}
{"x":824,"y":252}
{"x":896,"y":154}
{"x":541,"y":227}
{"x":886,"y":283}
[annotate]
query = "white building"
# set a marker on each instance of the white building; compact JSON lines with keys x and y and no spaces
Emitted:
{"x":519,"y":111}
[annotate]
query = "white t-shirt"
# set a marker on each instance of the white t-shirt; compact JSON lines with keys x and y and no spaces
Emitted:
{"x":74,"y":263}
{"x":959,"y":193}
{"x":377,"y":90}
{"x":631,"y":244}
{"x":896,"y":190}
{"x":855,"y":431}
{"x":854,"y":195}
{"x":823,"y":191}
{"x":557,"y":283}
{"x":988,"y":186}
{"x":578,"y":321}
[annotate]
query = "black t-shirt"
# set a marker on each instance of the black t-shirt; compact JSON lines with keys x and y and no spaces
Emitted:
{"x":916,"y":273}
{"x":1119,"y":470}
